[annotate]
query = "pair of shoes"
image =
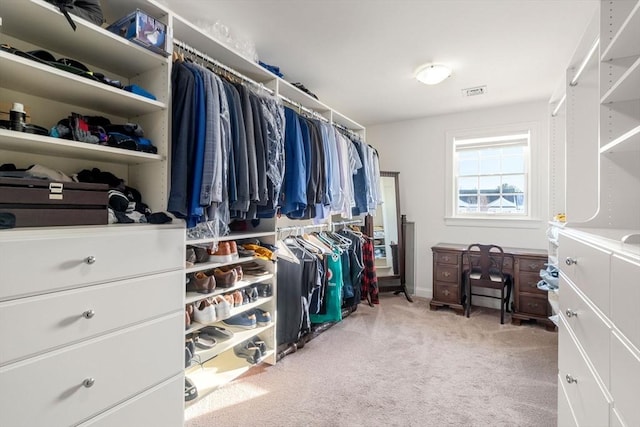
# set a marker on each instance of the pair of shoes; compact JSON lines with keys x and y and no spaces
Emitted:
{"x":223,"y":307}
{"x":254,"y":269}
{"x":189,"y":351}
{"x":263,"y":318}
{"x":225,"y":252}
{"x":196,"y":254}
{"x":260,"y":251}
{"x":251,"y":294}
{"x":201,"y":282}
{"x":238,"y":299}
{"x":204,"y":341}
{"x":190,"y":391}
{"x":248,"y":351}
{"x":205,"y":311}
{"x":217,"y":332}
{"x":225,"y":279}
{"x":242,"y":320}
{"x":188,"y":315}
{"x":264,"y":290}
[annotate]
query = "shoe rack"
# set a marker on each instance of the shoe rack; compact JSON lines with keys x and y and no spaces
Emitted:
{"x":213,"y":367}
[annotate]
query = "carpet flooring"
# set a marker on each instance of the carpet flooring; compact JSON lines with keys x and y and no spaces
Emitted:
{"x":400,"y":364}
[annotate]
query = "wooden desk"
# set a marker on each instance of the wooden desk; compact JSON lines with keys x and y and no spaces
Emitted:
{"x":524,"y":265}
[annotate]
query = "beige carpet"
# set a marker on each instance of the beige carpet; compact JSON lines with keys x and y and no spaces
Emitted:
{"x":400,"y":364}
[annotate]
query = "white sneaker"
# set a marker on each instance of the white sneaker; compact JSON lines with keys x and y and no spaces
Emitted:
{"x":205,"y":311}
{"x":223,"y":307}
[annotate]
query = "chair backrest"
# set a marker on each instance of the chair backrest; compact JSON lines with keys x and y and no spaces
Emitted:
{"x":485,"y":260}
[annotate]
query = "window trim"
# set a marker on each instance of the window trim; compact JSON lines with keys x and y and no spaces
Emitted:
{"x":530,"y":220}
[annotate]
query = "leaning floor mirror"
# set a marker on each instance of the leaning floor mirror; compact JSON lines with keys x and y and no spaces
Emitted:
{"x":387,"y":228}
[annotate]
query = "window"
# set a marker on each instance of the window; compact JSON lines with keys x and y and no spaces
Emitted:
{"x":494,"y":176}
{"x":491,"y":175}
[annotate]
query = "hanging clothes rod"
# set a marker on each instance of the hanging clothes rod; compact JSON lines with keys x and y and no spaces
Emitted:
{"x":302,"y":108}
{"x":220,"y":65}
{"x":347,"y":130}
{"x":300,"y":228}
{"x":349,"y":222}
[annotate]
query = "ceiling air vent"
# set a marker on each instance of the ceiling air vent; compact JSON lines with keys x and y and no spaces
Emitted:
{"x":474,"y":91}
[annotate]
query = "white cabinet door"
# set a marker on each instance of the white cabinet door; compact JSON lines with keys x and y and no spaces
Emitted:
{"x":625,"y":297}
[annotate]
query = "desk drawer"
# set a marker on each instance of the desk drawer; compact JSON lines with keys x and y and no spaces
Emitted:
{"x":446,"y":258}
{"x":34,"y":262}
{"x":590,"y":329}
{"x":446,"y":292}
{"x":533,"y":265}
{"x":445,"y":273}
{"x":58,"y":319}
{"x":528,"y":282}
{"x":533,"y":304}
{"x":50,"y":390}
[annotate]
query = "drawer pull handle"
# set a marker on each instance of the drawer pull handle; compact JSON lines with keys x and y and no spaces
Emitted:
{"x":446,"y":292}
{"x":570,"y":261}
{"x":571,"y":379}
{"x":89,"y":382}
{"x":533,"y":266}
{"x":571,"y":313}
{"x":446,"y":274}
{"x":90,"y":259}
{"x":445,"y":258}
{"x":88,"y":314}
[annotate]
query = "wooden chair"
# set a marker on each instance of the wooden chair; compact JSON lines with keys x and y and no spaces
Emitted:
{"x":485,"y":265}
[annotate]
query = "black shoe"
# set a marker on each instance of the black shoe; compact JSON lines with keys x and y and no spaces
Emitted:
{"x":190,"y":390}
{"x":248,"y":352}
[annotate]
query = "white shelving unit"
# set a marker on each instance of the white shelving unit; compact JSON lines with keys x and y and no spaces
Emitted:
{"x":599,"y":246}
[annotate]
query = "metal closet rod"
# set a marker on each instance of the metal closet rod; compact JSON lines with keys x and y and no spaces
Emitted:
{"x":218,"y":64}
{"x":349,"y":222}
{"x":299,"y":228}
{"x":302,"y":108}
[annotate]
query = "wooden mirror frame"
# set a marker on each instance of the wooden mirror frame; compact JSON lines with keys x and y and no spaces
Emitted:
{"x":396,"y":282}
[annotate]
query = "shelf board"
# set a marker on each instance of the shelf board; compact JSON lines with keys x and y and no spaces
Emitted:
{"x":215,"y":373}
{"x":294,"y":94}
{"x":343,"y":120}
{"x":209,"y":265}
{"x":627,"y":87}
{"x":89,"y":44}
{"x":250,"y":280}
{"x":46,"y":145}
{"x":232,"y":236}
{"x":627,"y":143}
{"x":193,"y":36}
{"x":625,"y":42}
{"x":28,"y":76}
{"x":196,"y":326}
{"x":239,"y":335}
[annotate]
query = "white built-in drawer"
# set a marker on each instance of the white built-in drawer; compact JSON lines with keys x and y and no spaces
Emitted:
{"x":591,"y":330}
{"x":587,"y":398}
{"x":38,"y":261}
{"x":161,"y":406}
{"x":31,"y":325}
{"x":565,"y":414}
{"x":588,"y":269}
{"x":625,"y":297}
{"x":53,"y":389}
{"x":625,"y":380}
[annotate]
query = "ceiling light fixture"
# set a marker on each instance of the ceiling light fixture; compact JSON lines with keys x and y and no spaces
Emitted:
{"x":432,"y":74}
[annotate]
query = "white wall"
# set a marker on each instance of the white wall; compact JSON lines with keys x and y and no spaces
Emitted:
{"x":416,"y":149}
